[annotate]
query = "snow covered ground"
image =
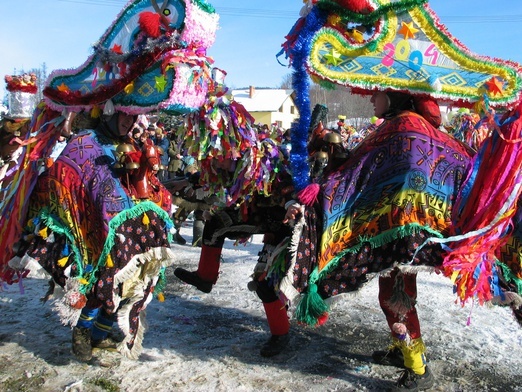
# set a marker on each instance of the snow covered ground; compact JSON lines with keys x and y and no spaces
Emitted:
{"x":210,"y":342}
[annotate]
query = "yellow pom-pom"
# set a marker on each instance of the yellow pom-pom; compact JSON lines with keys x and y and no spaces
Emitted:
{"x":63,"y":261}
{"x":43,"y":233}
{"x":161,"y":297}
{"x":83,"y":281}
{"x":145,"y":219}
{"x":129,"y":88}
{"x":109,"y":263}
{"x":95,"y":112}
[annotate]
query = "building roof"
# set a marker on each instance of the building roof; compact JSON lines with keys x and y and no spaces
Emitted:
{"x":262,"y":100}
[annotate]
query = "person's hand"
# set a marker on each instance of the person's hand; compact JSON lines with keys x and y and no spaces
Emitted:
{"x":292,"y":213}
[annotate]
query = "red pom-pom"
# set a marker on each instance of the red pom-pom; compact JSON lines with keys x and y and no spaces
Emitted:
{"x":308,"y":196}
{"x":150,"y":24}
{"x":428,"y":108}
{"x":76,"y":300}
{"x":355,"y":5}
{"x":322,"y":319}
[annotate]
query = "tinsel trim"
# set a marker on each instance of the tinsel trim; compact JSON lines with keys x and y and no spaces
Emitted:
{"x":451,"y":47}
{"x":301,"y":83}
{"x":508,"y":71}
{"x":370,"y":18}
{"x":414,"y":347}
{"x":187,"y":93}
{"x":203,"y":21}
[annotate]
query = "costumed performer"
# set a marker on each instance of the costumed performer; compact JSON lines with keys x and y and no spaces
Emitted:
{"x":99,"y":219}
{"x":250,"y":172}
{"x":401,"y":191}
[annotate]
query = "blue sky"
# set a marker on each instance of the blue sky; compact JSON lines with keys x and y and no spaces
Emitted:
{"x":60,"y":33}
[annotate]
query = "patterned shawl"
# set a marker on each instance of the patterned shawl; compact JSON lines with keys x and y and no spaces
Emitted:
{"x":403,"y":177}
{"x":99,"y":243}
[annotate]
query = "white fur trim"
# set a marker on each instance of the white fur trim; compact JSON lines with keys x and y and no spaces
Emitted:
{"x":286,"y":286}
{"x":139,"y":272}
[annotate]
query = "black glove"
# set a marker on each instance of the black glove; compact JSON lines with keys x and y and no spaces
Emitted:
{"x":193,"y":179}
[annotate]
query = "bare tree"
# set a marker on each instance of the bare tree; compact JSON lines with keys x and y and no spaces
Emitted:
{"x":339,"y":101}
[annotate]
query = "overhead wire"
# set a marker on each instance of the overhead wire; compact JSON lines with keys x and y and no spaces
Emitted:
{"x":280,"y":14}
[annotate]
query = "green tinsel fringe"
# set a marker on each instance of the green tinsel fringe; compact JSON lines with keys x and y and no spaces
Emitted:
{"x":205,"y":6}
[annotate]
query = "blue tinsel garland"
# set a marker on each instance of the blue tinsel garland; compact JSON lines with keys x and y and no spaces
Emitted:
{"x":301,"y":83}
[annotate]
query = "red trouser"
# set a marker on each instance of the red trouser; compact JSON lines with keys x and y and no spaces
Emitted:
{"x":386,"y":290}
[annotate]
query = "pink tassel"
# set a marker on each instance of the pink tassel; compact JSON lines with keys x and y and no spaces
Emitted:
{"x":308,"y":196}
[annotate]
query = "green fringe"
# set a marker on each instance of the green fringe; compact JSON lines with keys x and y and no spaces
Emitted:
{"x":375,"y":242}
{"x":55,"y":224}
{"x":312,"y":306}
{"x":278,"y":267}
{"x":125,"y":215}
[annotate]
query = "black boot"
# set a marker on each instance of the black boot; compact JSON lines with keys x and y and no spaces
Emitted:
{"x":391,"y":357}
{"x":81,"y":343}
{"x":179,"y":239}
{"x":275,"y":345}
{"x":193,"y":279}
{"x":409,"y":381}
{"x":197,"y":232}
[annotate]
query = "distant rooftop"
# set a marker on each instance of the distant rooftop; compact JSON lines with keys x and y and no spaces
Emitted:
{"x":261,"y":99}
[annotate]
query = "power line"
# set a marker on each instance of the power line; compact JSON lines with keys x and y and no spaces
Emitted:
{"x":278,"y":14}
